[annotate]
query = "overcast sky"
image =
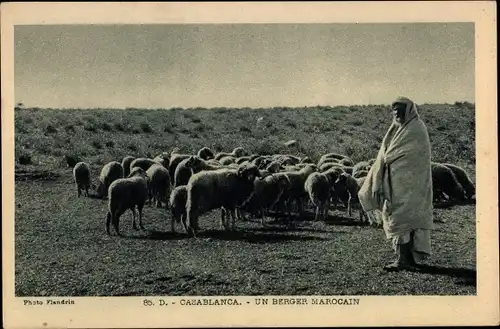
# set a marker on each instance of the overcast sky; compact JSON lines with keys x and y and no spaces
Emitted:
{"x":163,"y":66}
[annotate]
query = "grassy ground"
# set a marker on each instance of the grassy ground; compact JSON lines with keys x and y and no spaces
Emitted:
{"x":61,"y":247}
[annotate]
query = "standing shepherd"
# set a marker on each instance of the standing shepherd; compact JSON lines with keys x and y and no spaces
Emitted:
{"x":399,"y":186}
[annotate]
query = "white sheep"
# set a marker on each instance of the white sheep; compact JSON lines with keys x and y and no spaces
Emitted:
{"x":81,"y":175}
{"x":127,"y":193}
{"x":319,"y":187}
{"x":222,"y":188}
{"x":109,"y":173}
{"x":159,"y":184}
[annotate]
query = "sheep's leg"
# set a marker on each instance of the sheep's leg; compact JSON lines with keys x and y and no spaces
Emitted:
{"x":133,"y":217}
{"x":349,"y":210}
{"x":139,"y":208}
{"x":108,"y":222}
{"x":87,"y":191}
{"x":78,"y":192}
{"x":223,"y":219}
{"x":316,"y":212}
{"x":233,"y":218}
{"x":116,"y":220}
{"x":262,"y":219}
{"x":184,"y":224}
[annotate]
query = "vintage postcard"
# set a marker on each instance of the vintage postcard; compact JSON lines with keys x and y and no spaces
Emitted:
{"x":249,"y":164}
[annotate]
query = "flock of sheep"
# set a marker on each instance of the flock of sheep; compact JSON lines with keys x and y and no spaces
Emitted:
{"x":240,"y":184}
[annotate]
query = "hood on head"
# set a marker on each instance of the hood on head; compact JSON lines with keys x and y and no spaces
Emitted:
{"x":410,"y":111}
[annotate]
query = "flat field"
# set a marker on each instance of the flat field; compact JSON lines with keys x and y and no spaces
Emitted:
{"x":61,"y":248}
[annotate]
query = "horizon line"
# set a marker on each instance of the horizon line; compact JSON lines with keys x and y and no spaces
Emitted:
{"x":17,"y":107}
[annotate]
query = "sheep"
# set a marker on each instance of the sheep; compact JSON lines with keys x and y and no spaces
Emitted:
{"x":351,"y":186}
{"x":227,"y":160}
{"x":318,"y":186}
{"x":126,"y":164}
{"x":267,"y":193}
{"x":273,"y":167}
{"x":328,"y":165}
{"x":287,"y":160}
{"x":159,"y":184}
{"x":222,"y":188}
{"x":371,"y":162}
{"x":237,"y":152}
{"x":143,"y":163}
{"x":163,"y":159}
{"x":183,"y":172}
{"x":296,"y":192}
{"x":347,"y":169}
{"x":175,"y":160}
{"x":205,"y":153}
{"x":127,"y":193}
{"x":109,"y":173}
{"x":213,"y":162}
{"x":360,"y":173}
{"x":445,"y":181}
{"x":463,"y":179}
{"x":177,"y":202}
{"x":332,"y":156}
{"x":346,"y":162}
{"x":81,"y":175}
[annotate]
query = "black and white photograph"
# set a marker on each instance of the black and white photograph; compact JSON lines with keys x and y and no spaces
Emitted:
{"x":293,"y":163}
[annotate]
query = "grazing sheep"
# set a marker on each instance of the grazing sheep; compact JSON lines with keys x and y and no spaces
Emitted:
{"x":109,"y":173}
{"x":267,"y":193}
{"x":319,"y":186}
{"x":205,"y":153}
{"x":159,"y":184}
{"x":143,"y":163}
{"x":223,"y":188}
{"x":81,"y":175}
{"x":463,"y":179}
{"x":163,"y":159}
{"x":178,"y":199}
{"x":352,"y":186}
{"x":126,"y":164}
{"x":227,"y":160}
{"x":237,"y":152}
{"x":127,"y":193}
{"x":445,"y":181}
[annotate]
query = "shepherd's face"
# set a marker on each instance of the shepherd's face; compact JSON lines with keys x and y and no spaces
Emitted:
{"x":398,"y":111}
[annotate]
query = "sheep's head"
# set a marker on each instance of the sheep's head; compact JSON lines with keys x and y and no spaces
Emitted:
{"x":205,"y":153}
{"x":248,"y":171}
{"x":274,"y":167}
{"x":342,"y":179}
{"x":239,"y":152}
{"x":194,"y":162}
{"x":332,"y":175}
